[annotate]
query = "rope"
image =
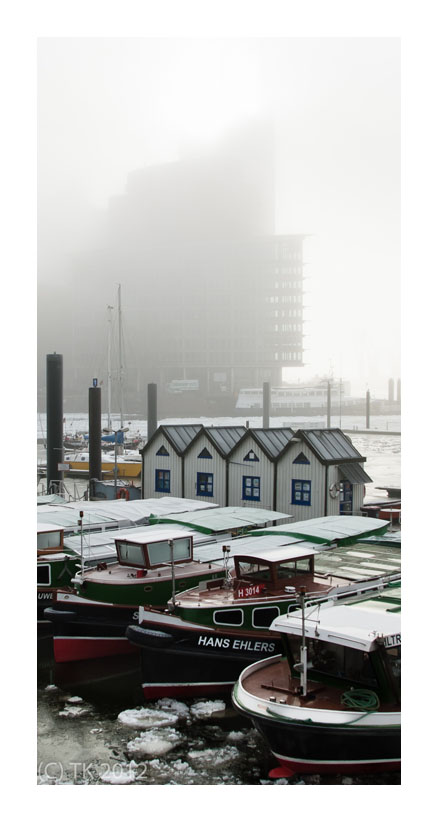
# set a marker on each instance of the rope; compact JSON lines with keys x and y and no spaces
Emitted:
{"x":362,"y":699}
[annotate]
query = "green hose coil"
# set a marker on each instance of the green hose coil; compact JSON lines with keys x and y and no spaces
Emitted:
{"x":361,"y":699}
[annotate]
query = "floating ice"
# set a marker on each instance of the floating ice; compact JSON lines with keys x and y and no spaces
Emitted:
{"x":175,"y":706}
{"x":155,"y":743}
{"x":118,"y":775}
{"x":235,"y":736}
{"x":73,"y":711}
{"x":51,"y":688}
{"x":74,"y":700}
{"x":146,"y":718}
{"x":213,"y":758}
{"x":205,"y":708}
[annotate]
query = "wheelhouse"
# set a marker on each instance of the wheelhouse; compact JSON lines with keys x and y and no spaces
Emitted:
{"x":152,"y":553}
{"x":357,"y":641}
{"x":275,"y":569}
{"x":50,"y":539}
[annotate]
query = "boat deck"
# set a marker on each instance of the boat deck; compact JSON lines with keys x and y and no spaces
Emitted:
{"x":116,"y":574}
{"x":212,"y":597}
{"x":275,"y":680}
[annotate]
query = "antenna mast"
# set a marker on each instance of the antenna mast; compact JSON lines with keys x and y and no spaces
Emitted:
{"x":109,"y":310}
{"x":119,"y":303}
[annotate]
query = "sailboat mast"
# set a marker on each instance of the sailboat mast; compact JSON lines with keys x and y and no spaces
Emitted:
{"x":119,"y":303}
{"x":109,"y":309}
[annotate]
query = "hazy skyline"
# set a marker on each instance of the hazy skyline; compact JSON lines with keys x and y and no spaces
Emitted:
{"x":107,"y":107}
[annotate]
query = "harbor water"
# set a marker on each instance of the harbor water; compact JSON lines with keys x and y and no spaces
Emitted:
{"x":95,"y":728}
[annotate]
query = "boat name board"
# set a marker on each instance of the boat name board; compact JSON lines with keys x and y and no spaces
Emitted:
{"x":392,"y":640}
{"x":237,"y":645}
{"x":249,"y":591}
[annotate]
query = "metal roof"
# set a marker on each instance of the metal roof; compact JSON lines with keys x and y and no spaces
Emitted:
{"x":355,"y":622}
{"x":67,"y":518}
{"x":107,"y":538}
{"x":181,"y":436}
{"x":46,"y":527}
{"x":225,"y":519}
{"x":152,"y":534}
{"x":273,"y":441}
{"x":246,"y":545}
{"x":136,"y":512}
{"x":292,"y":551}
{"x":225,"y":437}
{"x":44,"y":499}
{"x":330,"y":445}
{"x":355,"y":473}
{"x":339,"y":528}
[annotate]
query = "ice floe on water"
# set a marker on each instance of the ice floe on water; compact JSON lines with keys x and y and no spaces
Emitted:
{"x":167,"y":704}
{"x":236,"y":736}
{"x":167,"y":712}
{"x":154,"y":743}
{"x":213,"y":758}
{"x":74,"y":699}
{"x":206,"y":708}
{"x":118,"y":775}
{"x":147,"y":718}
{"x":74,"y":711}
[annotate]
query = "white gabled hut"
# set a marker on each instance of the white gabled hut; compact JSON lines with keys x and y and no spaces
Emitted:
{"x":163,"y":461}
{"x":253,"y":468}
{"x":319,"y":473}
{"x":205,"y":463}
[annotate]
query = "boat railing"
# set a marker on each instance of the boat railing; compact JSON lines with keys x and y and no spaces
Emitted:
{"x":59,"y":487}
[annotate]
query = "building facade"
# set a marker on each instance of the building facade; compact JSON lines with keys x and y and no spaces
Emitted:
{"x":305,"y":474}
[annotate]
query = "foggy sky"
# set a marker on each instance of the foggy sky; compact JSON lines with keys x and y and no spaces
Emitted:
{"x":107,"y":107}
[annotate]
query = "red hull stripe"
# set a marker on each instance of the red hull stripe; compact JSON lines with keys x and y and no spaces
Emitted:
{"x":153,"y":690}
{"x":66,"y":649}
{"x":336,"y":766}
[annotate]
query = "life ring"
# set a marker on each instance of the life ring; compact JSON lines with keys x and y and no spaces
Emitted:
{"x":123,"y":494}
{"x":334,"y":490}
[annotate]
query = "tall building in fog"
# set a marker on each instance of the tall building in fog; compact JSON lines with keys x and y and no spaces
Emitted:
{"x":211,"y":295}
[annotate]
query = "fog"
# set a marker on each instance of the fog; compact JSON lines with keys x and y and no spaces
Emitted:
{"x":162,"y":166}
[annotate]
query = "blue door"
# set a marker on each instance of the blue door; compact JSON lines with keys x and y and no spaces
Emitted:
{"x":346,"y":497}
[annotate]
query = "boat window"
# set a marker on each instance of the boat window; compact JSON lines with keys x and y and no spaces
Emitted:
{"x":43,"y":574}
{"x":161,"y":552}
{"x":48,"y":540}
{"x":264,"y":616}
{"x":254,"y":571}
{"x":228,"y":617}
{"x":130,"y":553}
{"x":294,"y":567}
{"x":335,"y":660}
{"x":394,"y":658}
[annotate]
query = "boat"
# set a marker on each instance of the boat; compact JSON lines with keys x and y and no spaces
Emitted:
{"x":128,"y":465}
{"x":90,"y":616}
{"x":331,"y":703}
{"x":90,"y":620}
{"x":203,"y":639}
{"x":384,"y":510}
{"x":58,"y":563}
{"x":106,"y":490}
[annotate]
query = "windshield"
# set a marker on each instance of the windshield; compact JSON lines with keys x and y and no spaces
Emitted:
{"x":334,"y":660}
